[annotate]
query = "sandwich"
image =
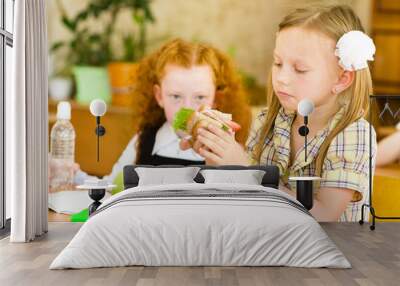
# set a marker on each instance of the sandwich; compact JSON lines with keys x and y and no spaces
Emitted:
{"x":187,"y":121}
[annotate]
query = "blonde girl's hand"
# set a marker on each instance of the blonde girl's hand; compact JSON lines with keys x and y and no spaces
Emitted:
{"x":219,"y":147}
{"x":184,"y":144}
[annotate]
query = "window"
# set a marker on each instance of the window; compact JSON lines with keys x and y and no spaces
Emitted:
{"x":6,"y":61}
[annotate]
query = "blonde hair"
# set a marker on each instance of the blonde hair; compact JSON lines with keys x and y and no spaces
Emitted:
{"x":230,"y":96}
{"x":333,"y":21}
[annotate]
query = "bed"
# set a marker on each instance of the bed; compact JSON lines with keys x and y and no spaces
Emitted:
{"x":201,"y":223}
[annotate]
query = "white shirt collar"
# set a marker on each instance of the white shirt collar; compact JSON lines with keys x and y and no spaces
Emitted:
{"x":167,"y":144}
{"x":165,"y":136}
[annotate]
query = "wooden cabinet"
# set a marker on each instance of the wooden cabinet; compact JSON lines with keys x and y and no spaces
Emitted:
{"x":385,"y":31}
{"x":120,"y":123}
{"x":386,"y":35}
{"x":386,"y":71}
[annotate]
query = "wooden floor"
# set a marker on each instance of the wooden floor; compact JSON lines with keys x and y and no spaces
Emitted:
{"x":374,"y":255}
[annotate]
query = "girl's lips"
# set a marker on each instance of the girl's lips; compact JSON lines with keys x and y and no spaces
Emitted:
{"x":283,"y":94}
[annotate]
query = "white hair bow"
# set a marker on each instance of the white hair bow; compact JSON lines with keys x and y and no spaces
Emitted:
{"x":354,"y":49}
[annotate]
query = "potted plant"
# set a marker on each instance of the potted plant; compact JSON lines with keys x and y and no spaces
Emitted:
{"x":122,"y":72}
{"x":60,"y":83}
{"x":89,"y":52}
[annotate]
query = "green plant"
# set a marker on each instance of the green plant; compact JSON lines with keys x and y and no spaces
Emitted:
{"x":87,"y":47}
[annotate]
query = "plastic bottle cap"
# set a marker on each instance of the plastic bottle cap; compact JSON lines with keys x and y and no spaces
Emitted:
{"x":64,"y":110}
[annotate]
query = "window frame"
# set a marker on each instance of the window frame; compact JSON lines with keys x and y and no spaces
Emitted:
{"x":6,"y":39}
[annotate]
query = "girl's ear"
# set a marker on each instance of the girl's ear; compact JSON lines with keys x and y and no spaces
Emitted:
{"x":345,"y":80}
{"x":157,"y":95}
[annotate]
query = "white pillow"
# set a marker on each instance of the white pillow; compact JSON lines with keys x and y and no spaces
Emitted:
{"x":164,"y":176}
{"x":249,"y":177}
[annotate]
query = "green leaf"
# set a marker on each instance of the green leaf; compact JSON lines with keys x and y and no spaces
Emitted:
{"x":129,"y":48}
{"x":149,"y":15}
{"x":95,"y":38}
{"x":69,"y":24}
{"x":138,"y":18}
{"x":56,"y":46}
{"x":231,"y":51}
{"x":81,"y":16}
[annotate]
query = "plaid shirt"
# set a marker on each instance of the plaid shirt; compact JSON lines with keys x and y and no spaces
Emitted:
{"x":346,"y":164}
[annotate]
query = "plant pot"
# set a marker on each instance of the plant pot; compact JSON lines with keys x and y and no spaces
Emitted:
{"x":122,"y":79}
{"x":91,"y":83}
{"x":60,"y":88}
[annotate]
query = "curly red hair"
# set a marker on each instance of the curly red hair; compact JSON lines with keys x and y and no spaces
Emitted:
{"x":230,"y":96}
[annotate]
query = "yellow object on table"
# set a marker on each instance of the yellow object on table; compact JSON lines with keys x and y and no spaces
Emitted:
{"x":386,"y":192}
{"x":119,"y":183}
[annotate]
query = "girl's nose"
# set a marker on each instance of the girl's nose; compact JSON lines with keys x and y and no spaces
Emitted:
{"x":283,"y":76}
{"x":189,"y":103}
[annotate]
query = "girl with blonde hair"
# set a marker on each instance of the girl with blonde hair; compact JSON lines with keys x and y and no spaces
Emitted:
{"x":320,"y":54}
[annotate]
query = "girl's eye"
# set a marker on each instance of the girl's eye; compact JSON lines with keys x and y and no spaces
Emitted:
{"x":201,"y":97}
{"x":277,"y":64}
{"x":300,"y":71}
{"x":175,"y":96}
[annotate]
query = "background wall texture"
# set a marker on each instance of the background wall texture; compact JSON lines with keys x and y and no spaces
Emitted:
{"x":245,"y":29}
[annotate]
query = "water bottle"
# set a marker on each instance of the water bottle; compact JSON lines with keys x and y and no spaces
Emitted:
{"x":62,"y":150}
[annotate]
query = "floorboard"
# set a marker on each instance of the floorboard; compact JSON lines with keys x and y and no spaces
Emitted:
{"x":374,"y":255}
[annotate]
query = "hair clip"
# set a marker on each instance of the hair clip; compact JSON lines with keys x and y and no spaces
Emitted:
{"x":354,"y":49}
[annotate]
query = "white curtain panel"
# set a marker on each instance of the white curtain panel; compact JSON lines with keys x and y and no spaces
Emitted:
{"x":27,"y":124}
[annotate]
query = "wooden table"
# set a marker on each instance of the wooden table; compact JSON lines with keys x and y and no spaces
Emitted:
{"x":56,"y":217}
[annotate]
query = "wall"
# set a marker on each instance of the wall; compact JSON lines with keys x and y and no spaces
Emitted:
{"x":245,"y":27}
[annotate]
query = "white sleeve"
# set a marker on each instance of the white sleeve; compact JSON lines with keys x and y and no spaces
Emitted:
{"x":128,"y":157}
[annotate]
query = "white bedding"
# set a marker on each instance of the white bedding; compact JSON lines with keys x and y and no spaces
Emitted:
{"x":184,"y":230}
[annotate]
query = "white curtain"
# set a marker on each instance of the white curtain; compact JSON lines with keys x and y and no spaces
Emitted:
{"x":26,"y":123}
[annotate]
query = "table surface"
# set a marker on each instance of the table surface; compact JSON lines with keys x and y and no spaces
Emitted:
{"x":56,"y":217}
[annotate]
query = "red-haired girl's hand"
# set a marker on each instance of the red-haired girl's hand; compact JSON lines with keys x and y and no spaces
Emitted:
{"x":55,"y":166}
{"x":219,"y":147}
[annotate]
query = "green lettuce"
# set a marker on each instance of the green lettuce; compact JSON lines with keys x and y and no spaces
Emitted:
{"x":181,"y":118}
